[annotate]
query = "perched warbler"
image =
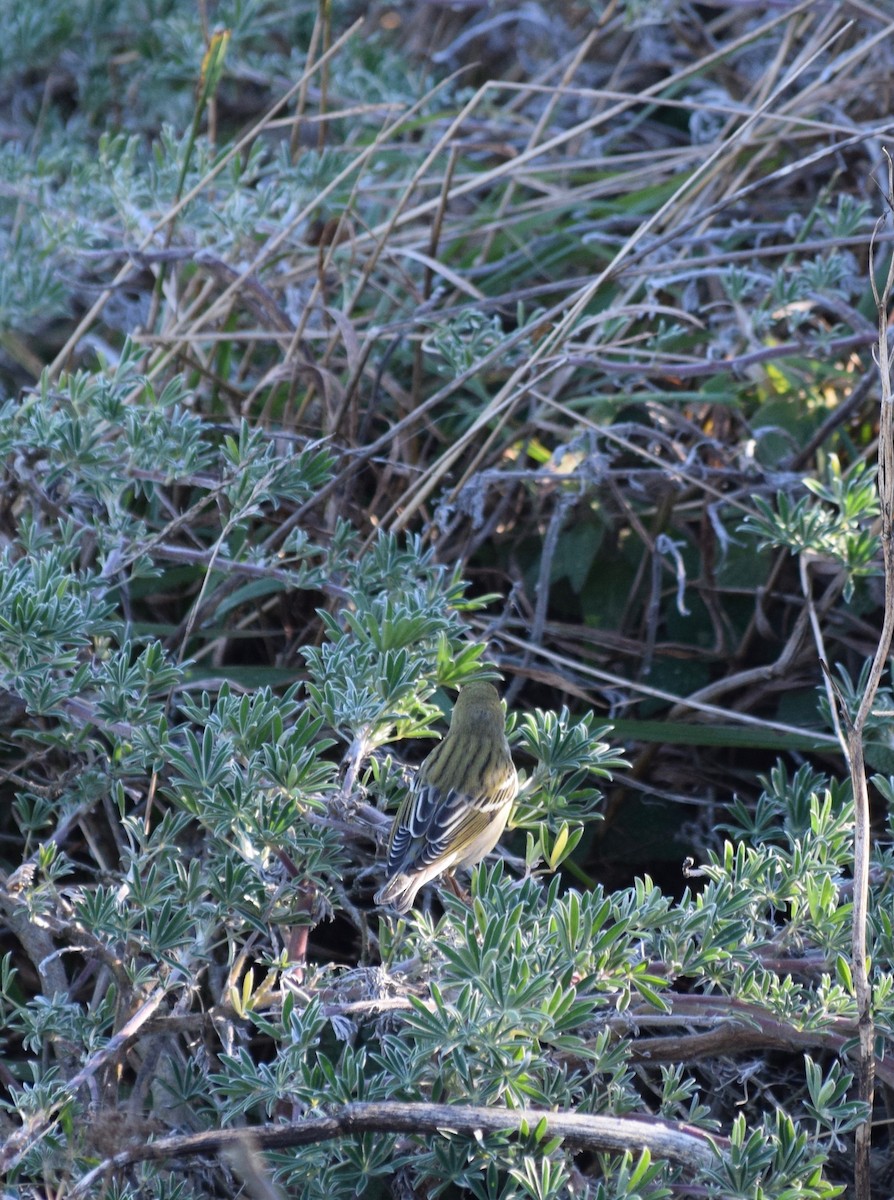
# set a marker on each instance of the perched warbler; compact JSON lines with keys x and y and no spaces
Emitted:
{"x":459,"y":803}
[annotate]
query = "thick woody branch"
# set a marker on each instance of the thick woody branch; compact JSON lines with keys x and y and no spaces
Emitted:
{"x":685,"y":1144}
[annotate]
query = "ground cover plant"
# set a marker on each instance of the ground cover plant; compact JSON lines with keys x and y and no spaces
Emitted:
{"x":352,"y":353}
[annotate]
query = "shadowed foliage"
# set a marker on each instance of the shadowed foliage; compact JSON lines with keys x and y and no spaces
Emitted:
{"x":349,"y":354}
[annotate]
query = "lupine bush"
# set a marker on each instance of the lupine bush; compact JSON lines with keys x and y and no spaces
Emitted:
{"x":342,"y":364}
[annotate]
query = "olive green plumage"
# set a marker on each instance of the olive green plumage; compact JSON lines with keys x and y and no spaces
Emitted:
{"x":460,"y":801}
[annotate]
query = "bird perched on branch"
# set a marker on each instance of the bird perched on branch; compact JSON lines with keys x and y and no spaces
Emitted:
{"x":460,"y":801}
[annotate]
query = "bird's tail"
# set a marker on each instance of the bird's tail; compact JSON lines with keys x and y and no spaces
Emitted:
{"x":400,"y":891}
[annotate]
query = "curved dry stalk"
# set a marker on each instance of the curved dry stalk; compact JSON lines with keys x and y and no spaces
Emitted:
{"x":819,"y":642}
{"x":862,"y":832}
{"x":581,"y":669}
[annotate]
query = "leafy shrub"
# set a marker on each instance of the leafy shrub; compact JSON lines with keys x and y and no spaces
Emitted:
{"x":411,"y":373}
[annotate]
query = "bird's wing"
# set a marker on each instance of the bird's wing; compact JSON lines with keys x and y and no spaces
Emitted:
{"x":430,"y":823}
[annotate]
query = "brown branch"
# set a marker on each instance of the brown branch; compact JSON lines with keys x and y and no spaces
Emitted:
{"x":681,"y":1143}
{"x":734,"y":1026}
{"x":743,"y":1028}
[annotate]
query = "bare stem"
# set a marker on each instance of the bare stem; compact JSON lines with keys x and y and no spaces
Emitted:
{"x":862,"y":988}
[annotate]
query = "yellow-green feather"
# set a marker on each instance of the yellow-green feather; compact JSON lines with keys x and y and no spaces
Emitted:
{"x":466,"y":785}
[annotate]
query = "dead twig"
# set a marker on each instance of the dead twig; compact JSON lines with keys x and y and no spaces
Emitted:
{"x":685,"y":1144}
{"x":862,"y":845}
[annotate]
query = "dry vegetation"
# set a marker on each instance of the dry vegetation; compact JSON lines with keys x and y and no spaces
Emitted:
{"x":574,"y":299}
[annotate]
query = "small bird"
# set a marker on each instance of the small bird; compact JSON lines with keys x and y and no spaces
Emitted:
{"x":460,"y":801}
